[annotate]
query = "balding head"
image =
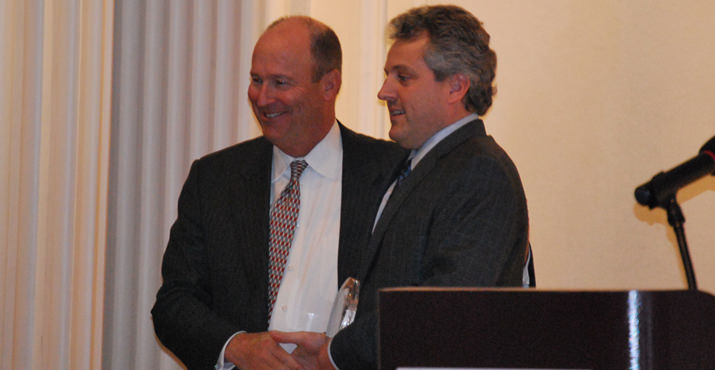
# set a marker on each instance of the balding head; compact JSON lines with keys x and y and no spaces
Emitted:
{"x":324,"y":44}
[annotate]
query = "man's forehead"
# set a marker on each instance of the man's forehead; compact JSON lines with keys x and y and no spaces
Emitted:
{"x":281,"y":51}
{"x":404,"y":54}
{"x":291,"y":30}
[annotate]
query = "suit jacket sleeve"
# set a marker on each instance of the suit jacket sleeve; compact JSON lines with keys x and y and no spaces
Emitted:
{"x":182,"y":317}
{"x":479,"y":231}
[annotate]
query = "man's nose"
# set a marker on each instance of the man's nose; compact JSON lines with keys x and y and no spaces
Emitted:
{"x":263,"y":95}
{"x":386,"y":92}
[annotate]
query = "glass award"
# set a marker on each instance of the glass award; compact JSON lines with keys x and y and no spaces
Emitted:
{"x":344,"y":307}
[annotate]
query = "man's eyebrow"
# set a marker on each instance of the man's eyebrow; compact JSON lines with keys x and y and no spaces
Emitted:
{"x":398,"y":68}
{"x":271,"y":76}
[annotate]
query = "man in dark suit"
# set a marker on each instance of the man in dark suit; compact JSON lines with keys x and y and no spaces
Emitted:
{"x":456,"y":216}
{"x":213,"y":308}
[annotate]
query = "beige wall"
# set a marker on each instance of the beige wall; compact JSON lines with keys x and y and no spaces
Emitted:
{"x":594,"y":98}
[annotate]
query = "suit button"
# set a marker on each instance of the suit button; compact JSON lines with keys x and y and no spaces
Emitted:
{"x":284,"y":308}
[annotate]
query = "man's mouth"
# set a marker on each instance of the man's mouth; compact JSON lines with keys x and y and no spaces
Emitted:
{"x":271,"y":115}
{"x":396,"y":112}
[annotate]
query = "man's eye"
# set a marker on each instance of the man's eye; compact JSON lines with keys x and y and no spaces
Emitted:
{"x":256,"y":80}
{"x":281,"y":82}
{"x":402,"y":78}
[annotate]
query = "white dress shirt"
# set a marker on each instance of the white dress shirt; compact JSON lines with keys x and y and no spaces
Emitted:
{"x":309,"y":284}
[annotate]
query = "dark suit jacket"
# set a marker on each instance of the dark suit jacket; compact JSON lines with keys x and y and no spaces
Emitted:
{"x":459,"y":219}
{"x":216,"y":262}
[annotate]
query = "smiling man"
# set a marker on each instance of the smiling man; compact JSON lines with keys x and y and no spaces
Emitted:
{"x":456,"y":215}
{"x":267,"y":229}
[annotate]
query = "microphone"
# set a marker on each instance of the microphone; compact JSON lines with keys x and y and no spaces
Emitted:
{"x":663,"y":185}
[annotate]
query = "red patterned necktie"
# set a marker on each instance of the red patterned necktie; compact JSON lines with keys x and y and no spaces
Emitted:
{"x":284,"y":217}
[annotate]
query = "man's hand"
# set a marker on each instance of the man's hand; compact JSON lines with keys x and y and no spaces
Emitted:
{"x":312,"y":350}
{"x":250,"y":351}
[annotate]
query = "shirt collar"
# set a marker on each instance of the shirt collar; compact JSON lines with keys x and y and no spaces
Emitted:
{"x":417,"y":154}
{"x":325,"y":158}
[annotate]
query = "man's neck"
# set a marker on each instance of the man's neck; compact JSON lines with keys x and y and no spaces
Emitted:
{"x":419,"y":153}
{"x":302,"y":148}
{"x":456,"y":114}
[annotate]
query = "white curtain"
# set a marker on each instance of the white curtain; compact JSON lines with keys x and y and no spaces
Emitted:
{"x":180,"y":80}
{"x":55,"y":80}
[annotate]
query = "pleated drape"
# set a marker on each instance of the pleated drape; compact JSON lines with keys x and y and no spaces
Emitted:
{"x":180,"y":77}
{"x":55,"y":81}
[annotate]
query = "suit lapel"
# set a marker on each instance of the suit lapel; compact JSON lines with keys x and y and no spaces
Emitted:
{"x":249,"y":192}
{"x":362,"y":185}
{"x":423,"y":169}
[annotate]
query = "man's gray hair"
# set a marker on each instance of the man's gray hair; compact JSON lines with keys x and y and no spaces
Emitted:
{"x":457,"y":44}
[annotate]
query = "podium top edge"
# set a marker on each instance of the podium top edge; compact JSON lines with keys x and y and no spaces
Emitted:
{"x":423,"y":289}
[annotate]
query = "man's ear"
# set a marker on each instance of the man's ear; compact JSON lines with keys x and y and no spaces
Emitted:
{"x":330,"y":84}
{"x":458,"y":87}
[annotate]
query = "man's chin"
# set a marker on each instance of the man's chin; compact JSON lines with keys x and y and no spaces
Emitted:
{"x":397,"y":138}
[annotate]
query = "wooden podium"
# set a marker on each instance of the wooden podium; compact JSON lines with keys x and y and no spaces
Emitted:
{"x":532,"y":329}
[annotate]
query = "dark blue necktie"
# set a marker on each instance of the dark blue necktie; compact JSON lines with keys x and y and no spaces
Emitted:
{"x":404,"y":172}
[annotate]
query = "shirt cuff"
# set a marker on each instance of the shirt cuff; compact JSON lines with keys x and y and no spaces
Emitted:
{"x":222,"y":364}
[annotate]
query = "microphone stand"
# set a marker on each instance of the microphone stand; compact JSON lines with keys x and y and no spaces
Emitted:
{"x":676,"y":220}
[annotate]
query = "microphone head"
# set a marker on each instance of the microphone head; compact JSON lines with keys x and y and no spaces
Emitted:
{"x":644,"y":196}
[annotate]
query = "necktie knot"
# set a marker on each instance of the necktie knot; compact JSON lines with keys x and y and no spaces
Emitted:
{"x":405,"y":171}
{"x":296,"y":168}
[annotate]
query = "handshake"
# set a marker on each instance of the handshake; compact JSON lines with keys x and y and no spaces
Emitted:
{"x":264,"y":350}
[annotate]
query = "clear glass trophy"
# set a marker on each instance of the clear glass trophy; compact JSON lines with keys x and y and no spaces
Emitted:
{"x":344,"y":307}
